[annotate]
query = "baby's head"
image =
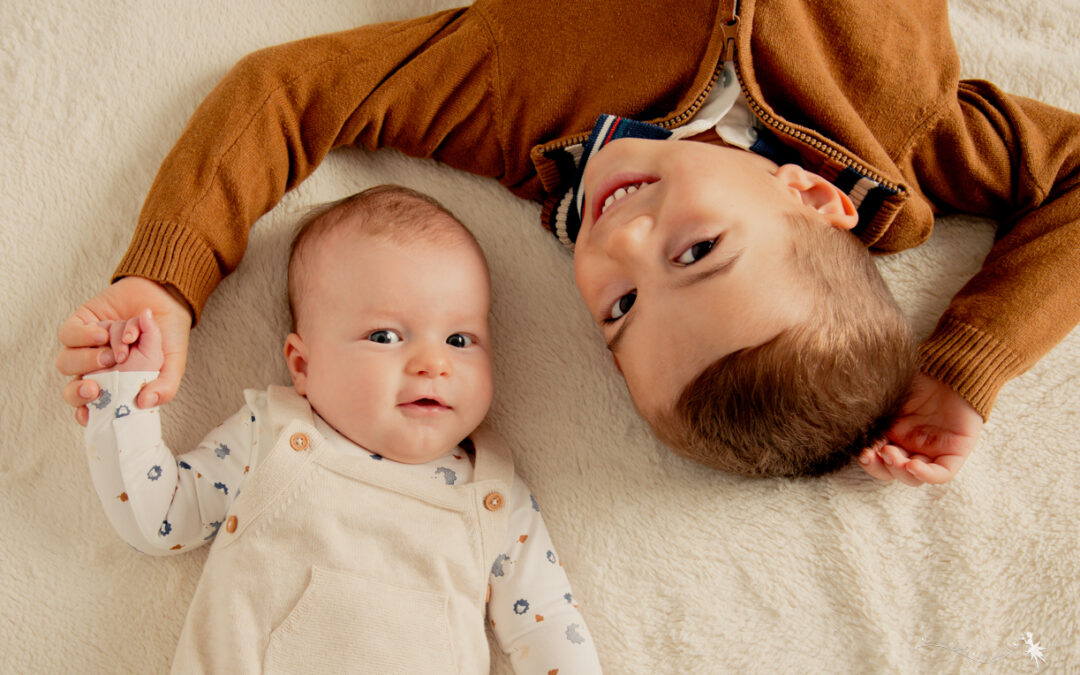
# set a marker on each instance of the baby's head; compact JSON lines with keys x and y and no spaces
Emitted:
{"x":389,"y":295}
{"x":754,"y":332}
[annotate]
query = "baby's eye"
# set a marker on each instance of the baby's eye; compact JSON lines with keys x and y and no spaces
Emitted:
{"x":384,"y":337}
{"x":696,"y":252}
{"x":459,"y":340}
{"x":622,"y":306}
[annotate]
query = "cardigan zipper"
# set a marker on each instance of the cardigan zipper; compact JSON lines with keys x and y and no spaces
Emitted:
{"x":731,"y":29}
{"x":729,"y":52}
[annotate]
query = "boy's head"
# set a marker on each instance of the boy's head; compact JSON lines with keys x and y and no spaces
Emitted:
{"x":389,"y":296}
{"x":753,"y":331}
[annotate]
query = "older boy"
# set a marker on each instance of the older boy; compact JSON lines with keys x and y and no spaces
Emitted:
{"x":361,"y":520}
{"x":865,"y":95}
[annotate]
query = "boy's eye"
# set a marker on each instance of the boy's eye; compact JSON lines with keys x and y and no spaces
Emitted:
{"x":696,"y":252}
{"x":622,"y":305}
{"x":384,"y":337}
{"x":459,"y":340}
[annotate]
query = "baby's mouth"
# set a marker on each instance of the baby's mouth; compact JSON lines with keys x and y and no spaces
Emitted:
{"x":425,"y":404}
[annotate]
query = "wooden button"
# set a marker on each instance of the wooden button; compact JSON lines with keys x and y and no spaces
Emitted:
{"x":493,"y":502}
{"x":230,"y":524}
{"x":298,"y":442}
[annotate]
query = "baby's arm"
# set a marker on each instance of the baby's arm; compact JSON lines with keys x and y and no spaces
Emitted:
{"x":531,"y":609}
{"x":157,"y":503}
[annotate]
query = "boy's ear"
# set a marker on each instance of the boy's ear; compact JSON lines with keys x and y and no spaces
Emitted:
{"x":820,"y":195}
{"x":297,"y":362}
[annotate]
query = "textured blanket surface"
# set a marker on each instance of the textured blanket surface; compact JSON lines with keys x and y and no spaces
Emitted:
{"x":676,"y":568}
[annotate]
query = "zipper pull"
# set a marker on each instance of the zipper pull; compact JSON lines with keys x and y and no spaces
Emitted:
{"x":730,"y":29}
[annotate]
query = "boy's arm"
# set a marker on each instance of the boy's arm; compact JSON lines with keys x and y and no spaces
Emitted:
{"x":158,"y":504}
{"x":422,"y":86}
{"x":531,"y":608}
{"x":1018,"y":161}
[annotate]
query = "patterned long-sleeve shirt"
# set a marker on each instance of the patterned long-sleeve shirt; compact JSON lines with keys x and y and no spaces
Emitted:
{"x":163,"y":505}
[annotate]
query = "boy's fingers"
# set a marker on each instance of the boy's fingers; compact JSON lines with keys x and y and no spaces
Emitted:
{"x":82,"y":415}
{"x":941,"y":470}
{"x":80,"y":392}
{"x":872,"y":464}
{"x":78,"y":333}
{"x":84,"y":360}
{"x":896,"y":460}
{"x":162,"y":390}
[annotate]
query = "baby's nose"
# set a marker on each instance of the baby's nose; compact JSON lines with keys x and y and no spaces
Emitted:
{"x":429,"y":361}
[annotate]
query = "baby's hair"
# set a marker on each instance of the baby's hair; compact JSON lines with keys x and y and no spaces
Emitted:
{"x":810,"y":399}
{"x":393,"y":212}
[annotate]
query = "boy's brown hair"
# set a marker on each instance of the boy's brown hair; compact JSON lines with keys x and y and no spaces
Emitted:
{"x":400,"y":214}
{"x":810,"y":399}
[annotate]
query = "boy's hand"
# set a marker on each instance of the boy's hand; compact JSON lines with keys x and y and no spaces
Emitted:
{"x":86,"y":344}
{"x":136,"y":343}
{"x":936,"y":431}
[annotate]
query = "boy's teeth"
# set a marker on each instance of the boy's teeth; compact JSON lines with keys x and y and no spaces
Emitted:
{"x":619,"y":194}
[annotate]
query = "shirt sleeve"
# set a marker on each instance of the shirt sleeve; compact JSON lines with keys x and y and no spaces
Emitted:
{"x":531,"y":608}
{"x":159,"y":504}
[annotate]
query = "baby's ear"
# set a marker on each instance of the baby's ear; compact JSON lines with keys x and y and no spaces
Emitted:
{"x":820,"y":195}
{"x":296,"y":360}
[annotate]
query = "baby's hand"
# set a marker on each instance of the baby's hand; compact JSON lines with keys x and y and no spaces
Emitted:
{"x":936,"y":431}
{"x":136,"y":343}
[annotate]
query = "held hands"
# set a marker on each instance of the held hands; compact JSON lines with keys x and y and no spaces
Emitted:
{"x":88,"y":346}
{"x":936,"y":431}
{"x":135,"y":343}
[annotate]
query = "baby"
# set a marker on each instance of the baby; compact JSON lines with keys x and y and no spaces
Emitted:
{"x":364,"y":518}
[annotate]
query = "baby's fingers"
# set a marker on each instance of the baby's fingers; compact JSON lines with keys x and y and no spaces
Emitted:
{"x":117,"y":331}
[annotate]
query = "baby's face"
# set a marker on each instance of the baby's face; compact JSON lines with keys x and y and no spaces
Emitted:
{"x":396,"y":346}
{"x":692,"y":265}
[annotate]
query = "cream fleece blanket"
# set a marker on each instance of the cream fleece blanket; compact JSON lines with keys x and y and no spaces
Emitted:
{"x":677,"y":568}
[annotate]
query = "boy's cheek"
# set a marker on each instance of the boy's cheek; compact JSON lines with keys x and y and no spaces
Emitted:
{"x":615,"y":358}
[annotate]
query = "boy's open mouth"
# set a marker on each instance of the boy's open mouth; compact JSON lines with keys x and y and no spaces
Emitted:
{"x":615,"y":188}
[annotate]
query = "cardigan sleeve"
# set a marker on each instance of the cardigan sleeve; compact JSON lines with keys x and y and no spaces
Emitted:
{"x":422,"y":86}
{"x":1017,"y":161}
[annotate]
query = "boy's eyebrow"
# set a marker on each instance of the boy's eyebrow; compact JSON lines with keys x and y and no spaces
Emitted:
{"x":723,"y":266}
{"x":619,"y":333}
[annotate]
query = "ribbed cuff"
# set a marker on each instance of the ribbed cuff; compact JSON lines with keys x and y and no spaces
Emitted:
{"x":172,"y":255}
{"x":974,"y":364}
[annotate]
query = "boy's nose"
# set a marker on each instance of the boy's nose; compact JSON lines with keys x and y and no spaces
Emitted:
{"x":429,"y":361}
{"x":628,"y":240}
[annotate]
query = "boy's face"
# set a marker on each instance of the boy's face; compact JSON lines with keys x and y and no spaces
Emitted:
{"x":693,"y":265}
{"x":393,"y":348}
